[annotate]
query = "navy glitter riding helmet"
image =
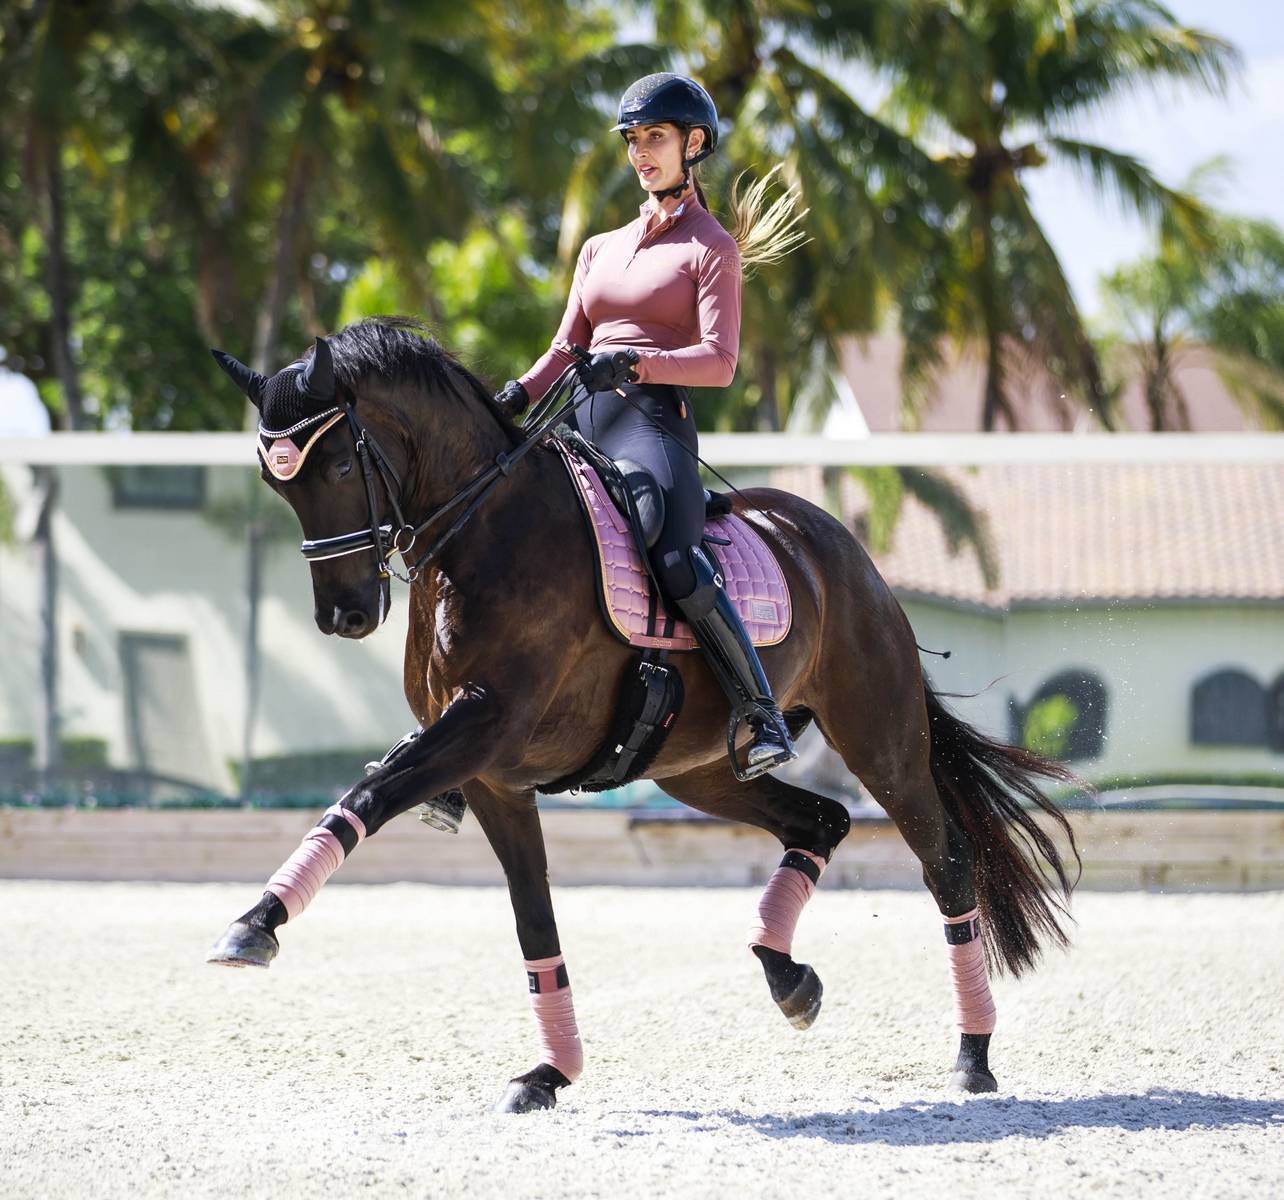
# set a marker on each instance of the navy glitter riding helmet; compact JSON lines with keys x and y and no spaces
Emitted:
{"x":666,"y":97}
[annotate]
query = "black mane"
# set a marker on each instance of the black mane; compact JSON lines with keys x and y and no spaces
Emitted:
{"x":402,"y":350}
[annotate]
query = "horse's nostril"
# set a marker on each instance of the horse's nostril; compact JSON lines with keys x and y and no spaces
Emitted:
{"x":353,"y":622}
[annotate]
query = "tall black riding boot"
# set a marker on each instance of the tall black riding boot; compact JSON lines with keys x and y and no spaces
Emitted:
{"x":735,"y":665}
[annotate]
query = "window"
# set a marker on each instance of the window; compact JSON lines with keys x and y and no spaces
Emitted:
{"x":1275,"y":716}
{"x":139,"y":486}
{"x":1065,"y":718}
{"x":1228,"y":708}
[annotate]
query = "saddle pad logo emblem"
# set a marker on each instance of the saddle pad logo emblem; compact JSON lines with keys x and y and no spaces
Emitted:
{"x":763,"y":610}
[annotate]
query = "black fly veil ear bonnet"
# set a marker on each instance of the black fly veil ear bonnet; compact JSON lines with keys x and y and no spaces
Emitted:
{"x":296,"y":407}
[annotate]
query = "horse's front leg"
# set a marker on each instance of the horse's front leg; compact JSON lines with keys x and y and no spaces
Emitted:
{"x":511,"y":824}
{"x":449,"y":752}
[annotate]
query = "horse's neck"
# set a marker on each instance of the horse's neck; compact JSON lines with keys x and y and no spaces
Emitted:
{"x":516,"y":504}
{"x":521,"y":539}
{"x":449,"y":453}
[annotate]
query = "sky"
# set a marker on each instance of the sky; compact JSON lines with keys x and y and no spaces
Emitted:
{"x":1172,"y":132}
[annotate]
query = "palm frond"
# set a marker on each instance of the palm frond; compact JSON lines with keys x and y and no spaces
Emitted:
{"x":1045,"y":320}
{"x":962,"y":524}
{"x":1258,"y":388}
{"x":593,"y":181}
{"x":884,"y":488}
{"x":1123,"y":178}
{"x":960,"y":521}
{"x":1112,"y":50}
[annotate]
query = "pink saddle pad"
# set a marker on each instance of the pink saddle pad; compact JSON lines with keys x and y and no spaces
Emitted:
{"x":752,"y":576}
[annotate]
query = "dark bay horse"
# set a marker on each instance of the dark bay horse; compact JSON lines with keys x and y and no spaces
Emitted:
{"x":513,"y":674}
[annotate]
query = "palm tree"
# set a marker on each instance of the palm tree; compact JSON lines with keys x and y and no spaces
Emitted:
{"x":1226,"y":298}
{"x":355,"y":99}
{"x":43,"y":56}
{"x":1002,"y":82}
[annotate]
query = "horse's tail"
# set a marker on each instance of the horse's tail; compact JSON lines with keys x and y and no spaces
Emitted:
{"x":991,"y":790}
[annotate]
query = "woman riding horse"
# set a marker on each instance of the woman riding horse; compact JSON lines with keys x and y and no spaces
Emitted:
{"x":667,"y":285}
{"x":381,"y":436}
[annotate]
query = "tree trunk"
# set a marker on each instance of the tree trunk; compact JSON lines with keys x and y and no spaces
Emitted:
{"x":267,"y":334}
{"x":58,"y":280}
{"x":994,"y":401}
{"x":740,"y":60}
{"x":58,"y":284}
{"x":1157,"y":383}
{"x":49,"y":731}
{"x":254,"y":544}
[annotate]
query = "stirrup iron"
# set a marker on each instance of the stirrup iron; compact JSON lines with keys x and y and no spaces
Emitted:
{"x":444,"y":812}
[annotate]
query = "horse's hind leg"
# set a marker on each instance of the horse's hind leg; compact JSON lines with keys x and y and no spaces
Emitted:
{"x":809,"y":827}
{"x":889,"y":753}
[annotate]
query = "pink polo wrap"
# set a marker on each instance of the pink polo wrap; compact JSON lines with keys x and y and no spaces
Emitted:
{"x":559,"y":1035}
{"x":319,"y":856}
{"x":973,"y":1005}
{"x":783,"y":900}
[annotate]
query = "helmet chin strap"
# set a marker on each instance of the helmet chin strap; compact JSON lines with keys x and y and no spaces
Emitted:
{"x":678,"y":189}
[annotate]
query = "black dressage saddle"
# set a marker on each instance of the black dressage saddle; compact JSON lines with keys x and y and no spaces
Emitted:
{"x":634,"y":490}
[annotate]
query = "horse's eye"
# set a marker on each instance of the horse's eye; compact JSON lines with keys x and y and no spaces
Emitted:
{"x":340,"y":469}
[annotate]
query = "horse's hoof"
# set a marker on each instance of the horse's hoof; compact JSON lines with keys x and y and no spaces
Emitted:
{"x":243,"y":945}
{"x":802,"y":1005}
{"x":523,"y":1097}
{"x":975,"y":1082}
{"x":795,"y":987}
{"x":972,"y":1067}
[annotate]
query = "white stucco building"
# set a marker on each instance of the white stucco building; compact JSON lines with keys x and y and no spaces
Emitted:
{"x":1154,"y":592}
{"x":1157,"y":592}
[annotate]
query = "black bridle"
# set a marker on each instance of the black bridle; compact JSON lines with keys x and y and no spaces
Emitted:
{"x":385,"y":539}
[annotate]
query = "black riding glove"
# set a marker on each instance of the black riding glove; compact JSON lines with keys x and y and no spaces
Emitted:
{"x":512,"y":398}
{"x":606,"y":371}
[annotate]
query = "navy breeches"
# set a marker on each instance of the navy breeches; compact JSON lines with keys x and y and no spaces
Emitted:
{"x":626,"y":428}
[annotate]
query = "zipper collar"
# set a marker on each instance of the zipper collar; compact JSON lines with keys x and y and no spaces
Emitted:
{"x":690,"y":204}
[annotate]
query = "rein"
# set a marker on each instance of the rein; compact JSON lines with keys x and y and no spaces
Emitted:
{"x":385,"y":539}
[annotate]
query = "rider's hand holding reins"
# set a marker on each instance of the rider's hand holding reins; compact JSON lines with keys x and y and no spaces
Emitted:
{"x":513,"y":399}
{"x":606,"y":371}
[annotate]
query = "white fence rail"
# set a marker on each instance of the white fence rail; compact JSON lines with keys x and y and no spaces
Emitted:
{"x":726,"y":449}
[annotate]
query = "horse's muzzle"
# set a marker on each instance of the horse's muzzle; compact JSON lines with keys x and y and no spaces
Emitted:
{"x":347,"y":622}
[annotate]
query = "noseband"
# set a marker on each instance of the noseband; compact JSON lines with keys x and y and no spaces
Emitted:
{"x":384,"y":539}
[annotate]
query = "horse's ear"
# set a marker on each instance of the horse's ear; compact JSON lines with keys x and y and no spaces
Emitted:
{"x":317,"y":380}
{"x":250,"y":382}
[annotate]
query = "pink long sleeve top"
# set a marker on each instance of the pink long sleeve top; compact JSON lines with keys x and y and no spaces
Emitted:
{"x":668,"y":288}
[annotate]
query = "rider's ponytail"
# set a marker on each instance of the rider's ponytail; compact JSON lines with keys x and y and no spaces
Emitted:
{"x":764,"y":233}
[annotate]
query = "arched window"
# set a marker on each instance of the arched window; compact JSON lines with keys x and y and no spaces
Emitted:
{"x":1066,"y":717}
{"x":1228,"y":708}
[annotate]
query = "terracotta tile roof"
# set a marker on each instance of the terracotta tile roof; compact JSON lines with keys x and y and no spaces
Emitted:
{"x":872,"y":366}
{"x":1066,"y":534}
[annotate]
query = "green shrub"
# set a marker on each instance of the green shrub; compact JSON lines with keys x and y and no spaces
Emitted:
{"x":1048,"y":725}
{"x":306,"y":775}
